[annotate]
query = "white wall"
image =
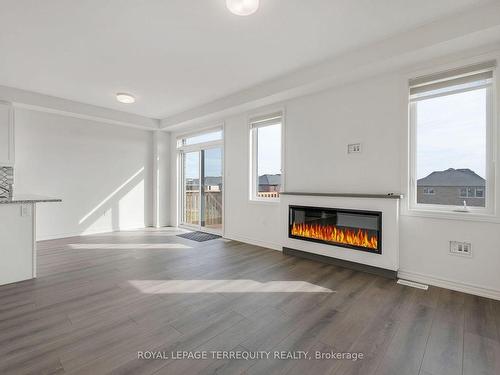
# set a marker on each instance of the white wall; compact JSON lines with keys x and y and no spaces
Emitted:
{"x":102,"y":172}
{"x":318,"y":129}
{"x":245,"y":220}
{"x":424,"y":244}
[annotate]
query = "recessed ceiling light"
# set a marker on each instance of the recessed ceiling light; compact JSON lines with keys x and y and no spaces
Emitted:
{"x":242,"y":7}
{"x":125,"y":98}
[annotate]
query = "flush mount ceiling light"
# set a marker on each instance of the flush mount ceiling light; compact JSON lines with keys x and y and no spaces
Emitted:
{"x":242,"y":7}
{"x":125,"y":98}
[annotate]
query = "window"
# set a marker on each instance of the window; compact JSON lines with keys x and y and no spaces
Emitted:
{"x":451,"y":143}
{"x":479,"y":192}
{"x":428,"y":191}
{"x":472,"y":192}
{"x":199,"y":138}
{"x":463,"y":192}
{"x":266,"y":156}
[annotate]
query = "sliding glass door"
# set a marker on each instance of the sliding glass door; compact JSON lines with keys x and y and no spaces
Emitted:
{"x":211,"y":192}
{"x":202,"y":184}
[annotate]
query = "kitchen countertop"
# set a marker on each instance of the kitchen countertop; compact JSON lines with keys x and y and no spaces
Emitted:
{"x":27,"y":198}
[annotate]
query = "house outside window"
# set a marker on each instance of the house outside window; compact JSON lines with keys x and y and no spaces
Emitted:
{"x":451,"y":187}
{"x":451,"y":142}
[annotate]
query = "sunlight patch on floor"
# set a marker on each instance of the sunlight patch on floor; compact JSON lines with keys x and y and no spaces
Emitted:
{"x":225,"y":286}
{"x":127,"y":246}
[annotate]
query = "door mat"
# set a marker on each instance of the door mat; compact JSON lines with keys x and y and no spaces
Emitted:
{"x":199,"y":236}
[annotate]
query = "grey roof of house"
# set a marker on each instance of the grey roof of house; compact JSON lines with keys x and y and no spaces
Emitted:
{"x":452,"y":177}
{"x":270,"y":179}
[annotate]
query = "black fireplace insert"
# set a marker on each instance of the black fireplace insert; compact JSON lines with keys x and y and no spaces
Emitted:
{"x":353,"y":229}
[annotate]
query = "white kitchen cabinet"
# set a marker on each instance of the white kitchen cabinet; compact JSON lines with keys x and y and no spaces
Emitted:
{"x":17,"y":245}
{"x":18,"y":237}
{"x":6,"y":135}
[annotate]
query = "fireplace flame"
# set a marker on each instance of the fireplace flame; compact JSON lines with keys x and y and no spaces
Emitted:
{"x":331,"y":233}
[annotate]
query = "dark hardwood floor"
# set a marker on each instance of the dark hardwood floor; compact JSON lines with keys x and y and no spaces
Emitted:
{"x":100,"y":299}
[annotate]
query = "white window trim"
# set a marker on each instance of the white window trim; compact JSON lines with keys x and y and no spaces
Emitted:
{"x":194,"y":147}
{"x":252,"y":136}
{"x":488,"y":213}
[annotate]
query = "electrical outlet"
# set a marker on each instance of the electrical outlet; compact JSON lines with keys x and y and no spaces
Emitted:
{"x":461,"y":248}
{"x":354,"y":148}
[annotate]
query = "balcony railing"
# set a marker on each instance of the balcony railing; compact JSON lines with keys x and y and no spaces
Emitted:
{"x":213,"y":207}
{"x":268,"y":194}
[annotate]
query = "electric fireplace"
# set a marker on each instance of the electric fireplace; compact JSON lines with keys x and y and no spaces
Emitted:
{"x":353,"y":229}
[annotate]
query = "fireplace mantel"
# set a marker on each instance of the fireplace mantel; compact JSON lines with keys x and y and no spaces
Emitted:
{"x":347,"y":195}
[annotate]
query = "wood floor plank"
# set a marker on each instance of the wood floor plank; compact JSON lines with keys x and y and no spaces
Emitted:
{"x":481,"y":355}
{"x":302,"y":338}
{"x":481,"y":337}
{"x":496,"y":312}
{"x":188,"y":341}
{"x":405,"y":353}
{"x":444,"y":352}
{"x":480,"y":317}
{"x":353,"y":321}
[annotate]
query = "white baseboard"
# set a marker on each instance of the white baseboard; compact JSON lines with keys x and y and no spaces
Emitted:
{"x":251,"y":241}
{"x":57,"y":236}
{"x":450,"y":284}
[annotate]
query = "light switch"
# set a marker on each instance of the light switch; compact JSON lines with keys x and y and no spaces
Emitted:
{"x":25,"y":210}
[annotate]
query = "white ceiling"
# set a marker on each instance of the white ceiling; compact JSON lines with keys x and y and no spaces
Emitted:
{"x":175,"y":55}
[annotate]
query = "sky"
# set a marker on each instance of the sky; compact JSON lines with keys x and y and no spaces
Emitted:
{"x":213,"y":163}
{"x":451,"y":133}
{"x":269,"y":150}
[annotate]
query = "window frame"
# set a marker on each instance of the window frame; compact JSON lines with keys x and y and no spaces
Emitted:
{"x":491,"y":147}
{"x":180,"y":145}
{"x":253,"y":155}
{"x":182,"y":149}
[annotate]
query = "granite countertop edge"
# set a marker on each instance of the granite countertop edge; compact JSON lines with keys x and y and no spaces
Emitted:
{"x":28,"y":198}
